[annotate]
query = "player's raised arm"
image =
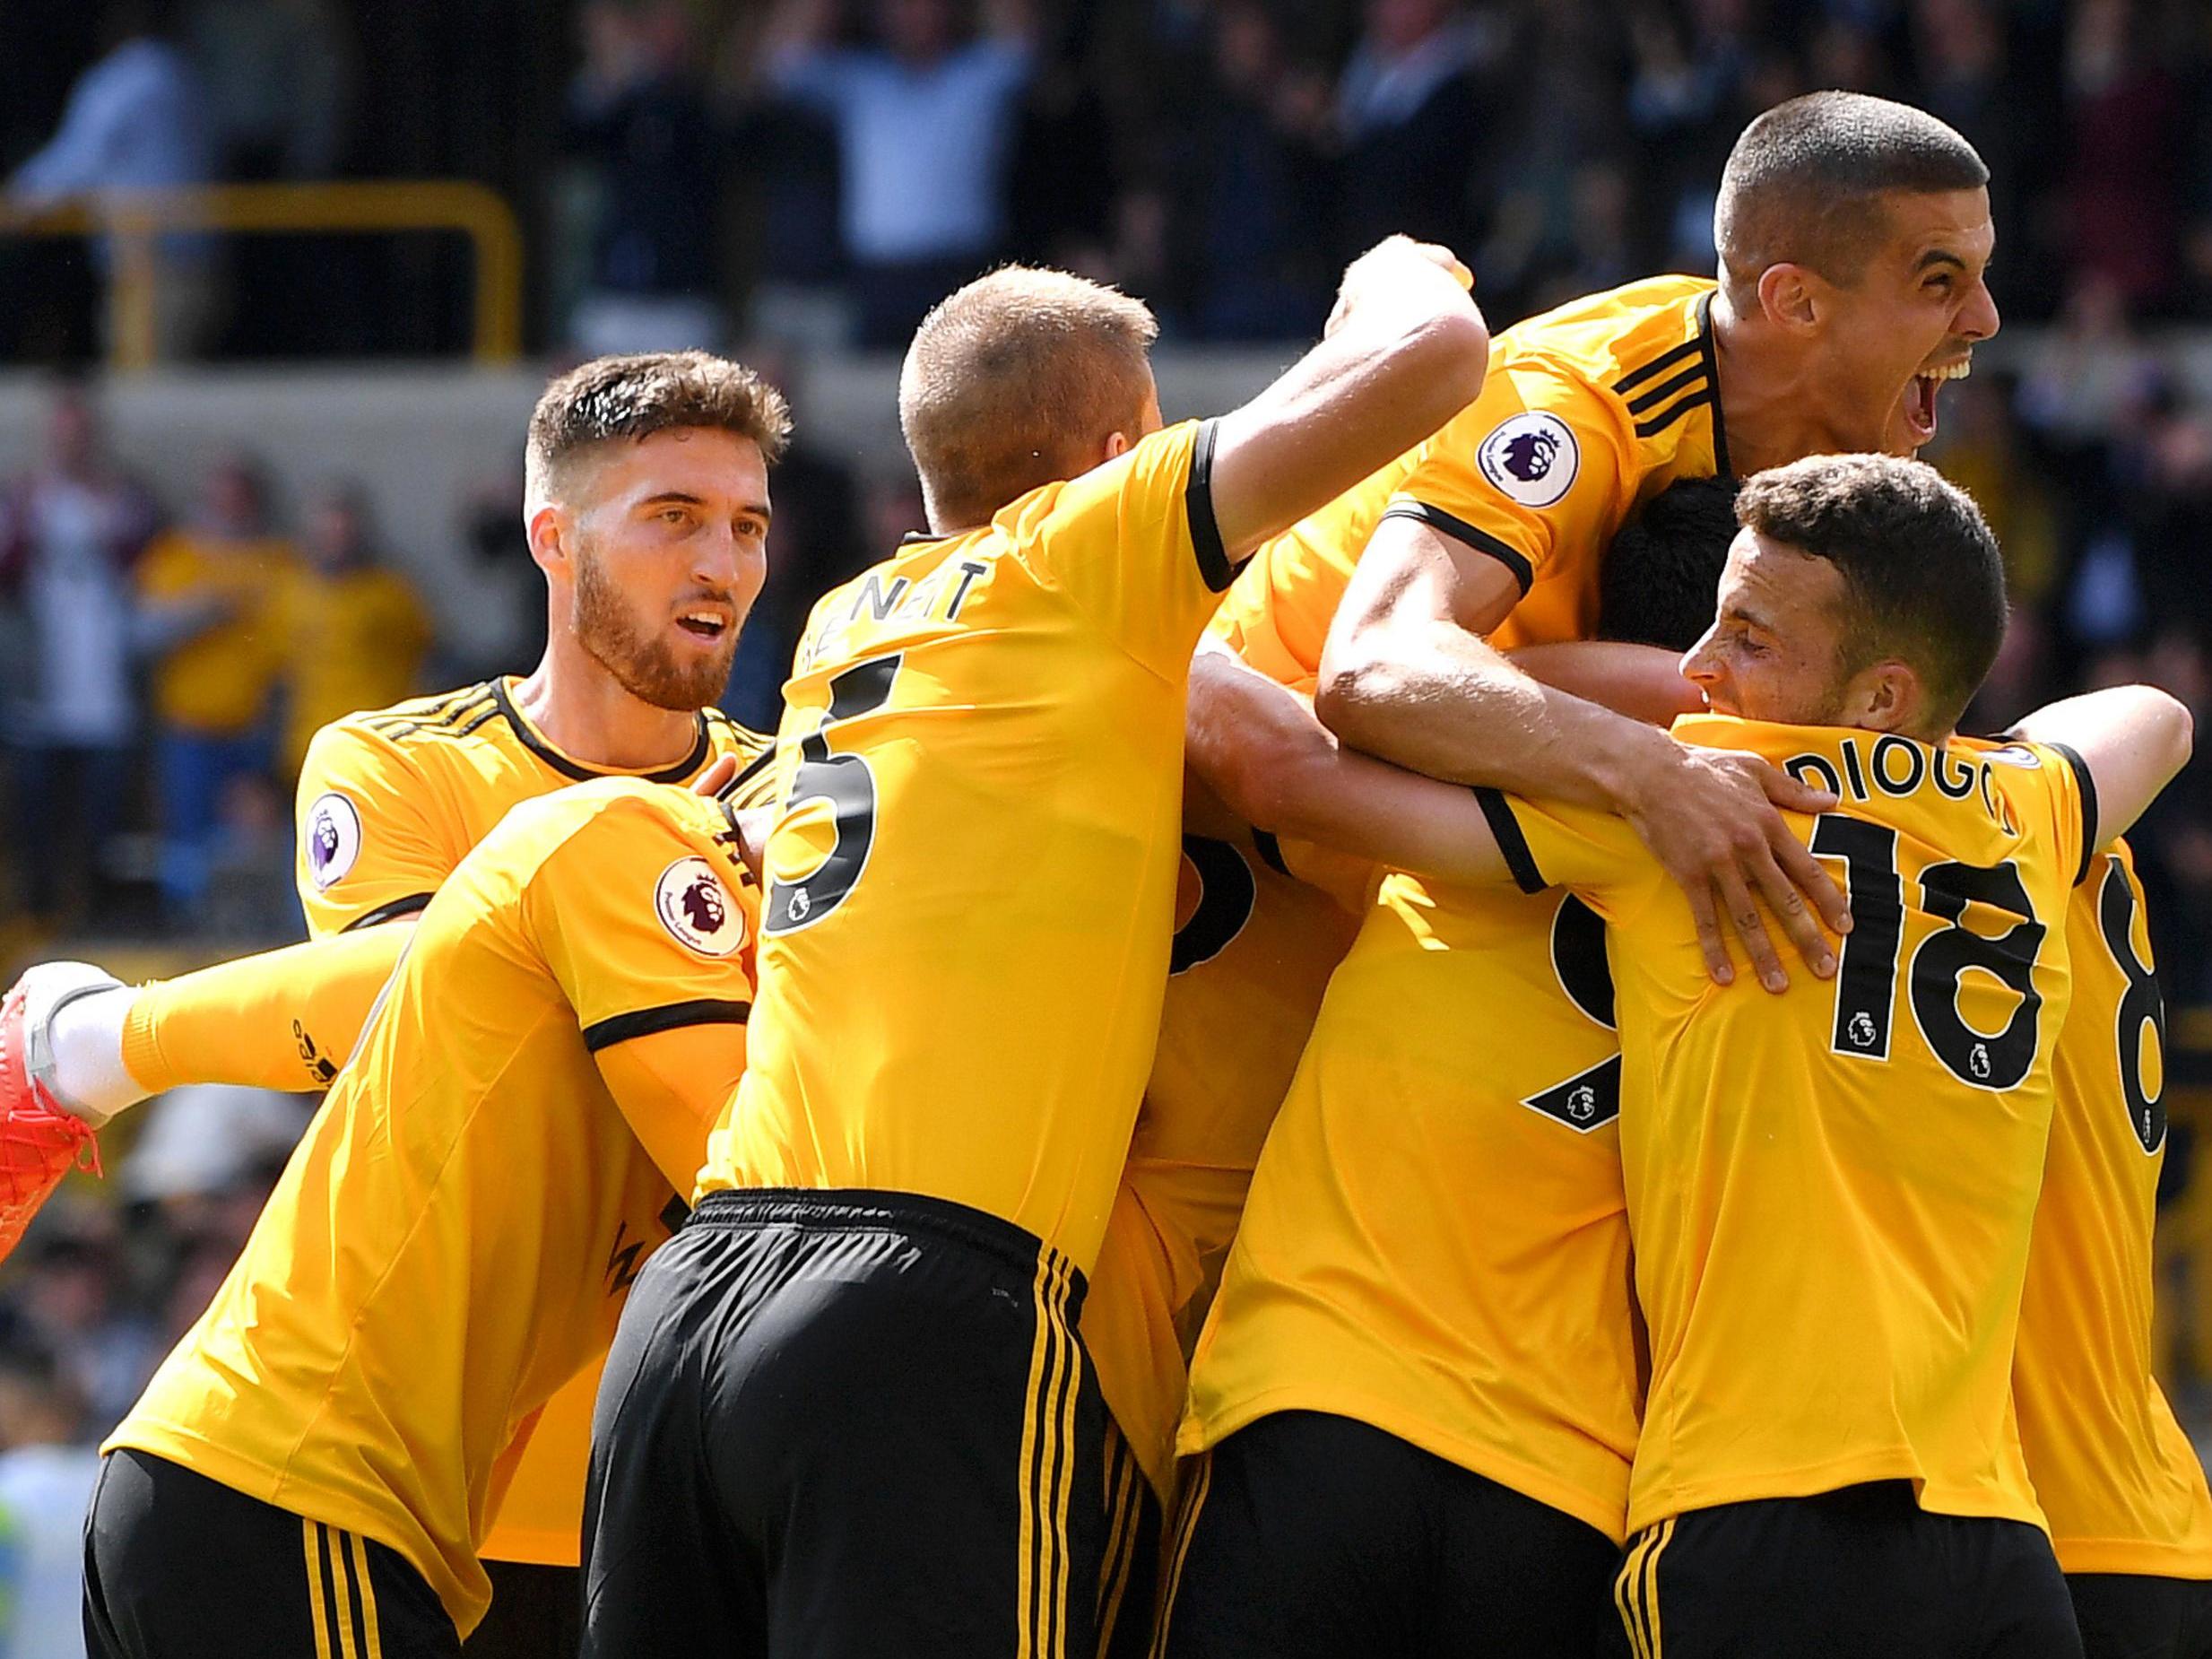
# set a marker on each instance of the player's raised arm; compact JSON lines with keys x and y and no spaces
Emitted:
{"x":1257,"y":745}
{"x":1405,"y":350}
{"x":2130,"y":741}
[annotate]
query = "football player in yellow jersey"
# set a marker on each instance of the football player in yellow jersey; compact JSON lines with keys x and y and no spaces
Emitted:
{"x":1854,"y":235}
{"x":312,"y":1469}
{"x":1801,"y":1120}
{"x":1831,"y":1192}
{"x":2122,"y":1488}
{"x":1419,"y":1388}
{"x":850,"y":1414}
{"x":648,"y":506}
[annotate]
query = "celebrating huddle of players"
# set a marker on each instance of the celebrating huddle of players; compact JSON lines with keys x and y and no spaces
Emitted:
{"x":1206,"y":1113}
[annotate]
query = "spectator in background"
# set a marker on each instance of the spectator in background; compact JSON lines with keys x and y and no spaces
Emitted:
{"x":1410,"y":118}
{"x":1253,"y":189}
{"x":249,"y":900}
{"x":1970,"y":77}
{"x":1688,"y":98}
{"x":214,"y":598}
{"x":73,"y":1296}
{"x":2123,"y":135}
{"x":207,"y":1158}
{"x":69,"y":535}
{"x":137,"y":119}
{"x":639,"y":111}
{"x":47,"y":1470}
{"x":278,"y":84}
{"x":925,"y":122}
{"x":353,"y":628}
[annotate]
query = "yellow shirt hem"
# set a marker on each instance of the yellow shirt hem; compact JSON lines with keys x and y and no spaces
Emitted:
{"x":1605,"y":1513}
{"x":1649,"y":1508}
{"x":2140,"y":1558}
{"x":258,"y":1481}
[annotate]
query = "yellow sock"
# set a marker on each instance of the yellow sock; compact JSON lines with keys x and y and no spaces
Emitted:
{"x":283,"y":1020}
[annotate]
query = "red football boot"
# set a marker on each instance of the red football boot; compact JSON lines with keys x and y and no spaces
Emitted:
{"x":40,"y":1140}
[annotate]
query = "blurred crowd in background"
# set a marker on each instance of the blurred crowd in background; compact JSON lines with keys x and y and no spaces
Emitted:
{"x":823,"y":169}
{"x":804,"y":177}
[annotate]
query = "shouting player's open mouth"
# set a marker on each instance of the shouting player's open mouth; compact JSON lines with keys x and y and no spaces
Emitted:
{"x":1920,"y":395}
{"x":706,"y":623}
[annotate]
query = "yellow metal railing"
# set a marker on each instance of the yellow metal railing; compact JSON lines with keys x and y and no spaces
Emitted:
{"x":133,"y":219}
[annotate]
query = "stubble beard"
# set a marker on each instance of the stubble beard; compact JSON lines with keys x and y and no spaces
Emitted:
{"x":647,"y":668}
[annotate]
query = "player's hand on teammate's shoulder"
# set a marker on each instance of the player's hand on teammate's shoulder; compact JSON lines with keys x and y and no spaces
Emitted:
{"x":1712,"y":818}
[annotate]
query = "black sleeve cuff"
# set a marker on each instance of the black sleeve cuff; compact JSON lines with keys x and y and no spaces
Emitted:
{"x":413,"y":904}
{"x":1213,"y":559}
{"x":1511,"y":842}
{"x":668,"y":1017}
{"x":2089,"y":786}
{"x":1459,"y":530}
{"x":1270,"y":851}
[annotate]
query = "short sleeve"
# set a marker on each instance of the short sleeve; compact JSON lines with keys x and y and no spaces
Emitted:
{"x":645,"y":927}
{"x":2072,"y":794}
{"x":1133,"y":542}
{"x":1595,"y":854}
{"x":1535,"y":468}
{"x":369,"y":850}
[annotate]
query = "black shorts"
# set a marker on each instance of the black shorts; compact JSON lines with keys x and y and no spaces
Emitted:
{"x":1304,"y":1534}
{"x":537,"y":1612}
{"x":843,"y":1424}
{"x":2135,"y":1616}
{"x":180,"y":1567}
{"x":1129,"y":1575}
{"x":1859,"y":1573}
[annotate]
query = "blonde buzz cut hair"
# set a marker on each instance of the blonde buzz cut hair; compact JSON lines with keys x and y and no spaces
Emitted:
{"x":1012,"y":380}
{"x":631,"y":398}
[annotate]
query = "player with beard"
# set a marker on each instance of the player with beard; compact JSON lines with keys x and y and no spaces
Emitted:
{"x":648,"y":510}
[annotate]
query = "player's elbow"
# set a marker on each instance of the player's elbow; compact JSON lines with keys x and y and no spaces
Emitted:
{"x":1357,"y":688}
{"x":2174,"y":729}
{"x":1440,"y":362}
{"x":1460,"y":343}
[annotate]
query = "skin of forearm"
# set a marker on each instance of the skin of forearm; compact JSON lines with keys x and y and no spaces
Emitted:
{"x":1455,"y":709}
{"x":1257,"y":747}
{"x":1641,"y":682}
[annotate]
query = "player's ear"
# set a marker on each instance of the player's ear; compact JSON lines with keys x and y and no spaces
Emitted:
{"x":1887,"y":697}
{"x":548,"y":533}
{"x":1790,"y":297}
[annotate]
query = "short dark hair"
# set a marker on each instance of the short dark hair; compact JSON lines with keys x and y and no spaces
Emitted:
{"x":1924,"y":580}
{"x":1657,"y":582}
{"x":635,"y":397}
{"x":1011,"y":378}
{"x":1804,"y":184}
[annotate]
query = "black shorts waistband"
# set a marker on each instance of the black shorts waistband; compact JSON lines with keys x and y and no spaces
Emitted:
{"x":865,"y":1210}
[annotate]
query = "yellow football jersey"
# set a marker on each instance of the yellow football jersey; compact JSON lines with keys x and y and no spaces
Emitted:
{"x":390,"y":801}
{"x":1435,"y":1241}
{"x":971,"y":890}
{"x":2121,"y":1485}
{"x":454,"y":1236}
{"x":1831,"y":1192}
{"x":1586,"y":411}
{"x":1252,"y":951}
